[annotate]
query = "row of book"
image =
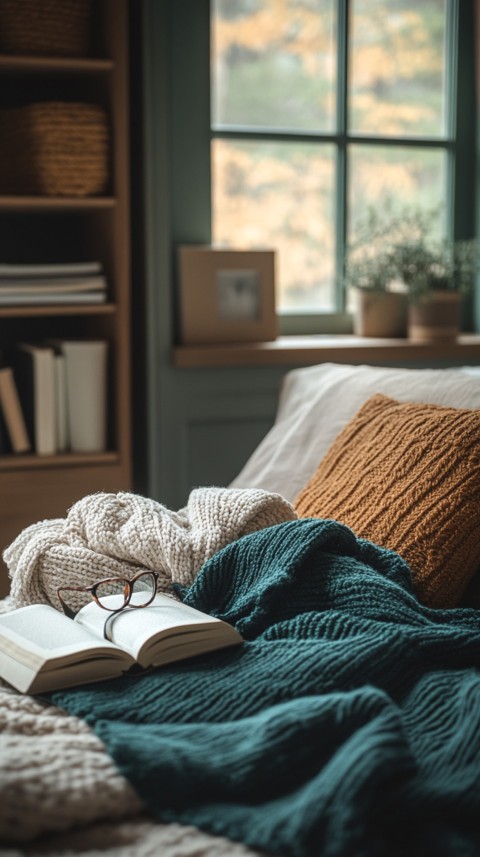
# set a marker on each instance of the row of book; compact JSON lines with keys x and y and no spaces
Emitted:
{"x":69,"y":283}
{"x":53,"y":398}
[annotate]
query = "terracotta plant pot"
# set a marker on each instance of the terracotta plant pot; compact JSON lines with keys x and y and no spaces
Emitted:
{"x":380,"y":314}
{"x":435,"y":317}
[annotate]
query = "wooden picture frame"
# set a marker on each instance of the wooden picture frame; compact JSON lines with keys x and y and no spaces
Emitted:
{"x":226,"y":295}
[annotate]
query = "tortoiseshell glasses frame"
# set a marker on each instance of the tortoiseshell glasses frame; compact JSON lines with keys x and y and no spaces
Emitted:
{"x":121,"y":586}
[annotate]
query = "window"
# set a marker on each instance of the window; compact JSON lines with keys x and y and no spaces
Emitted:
{"x":318,"y":109}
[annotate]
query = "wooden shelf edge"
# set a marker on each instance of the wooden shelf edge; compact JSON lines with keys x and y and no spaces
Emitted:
{"x":80,"y":65}
{"x":303,"y":350}
{"x":21,"y":202}
{"x":72,"y":459}
{"x":34,"y":311}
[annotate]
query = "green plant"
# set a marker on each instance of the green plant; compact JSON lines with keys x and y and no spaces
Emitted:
{"x":399,"y":249}
{"x":426,"y":266}
{"x":373,"y":271}
{"x":370,"y":261}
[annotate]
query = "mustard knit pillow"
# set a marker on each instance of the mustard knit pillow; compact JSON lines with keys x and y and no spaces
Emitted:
{"x":407,"y":477}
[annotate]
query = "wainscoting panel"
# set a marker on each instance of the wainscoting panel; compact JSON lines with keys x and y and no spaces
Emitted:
{"x":204,"y":425}
{"x":216,"y":450}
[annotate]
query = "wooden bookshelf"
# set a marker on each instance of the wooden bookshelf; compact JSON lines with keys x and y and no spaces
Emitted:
{"x":33,"y":488}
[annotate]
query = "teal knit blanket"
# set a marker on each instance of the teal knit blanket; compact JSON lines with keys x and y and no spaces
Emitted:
{"x":347,"y":725}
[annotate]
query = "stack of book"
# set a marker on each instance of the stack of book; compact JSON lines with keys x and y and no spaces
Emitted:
{"x":69,"y":283}
{"x":53,"y":397}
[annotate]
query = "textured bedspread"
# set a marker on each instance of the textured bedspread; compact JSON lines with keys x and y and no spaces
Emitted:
{"x":347,"y":724}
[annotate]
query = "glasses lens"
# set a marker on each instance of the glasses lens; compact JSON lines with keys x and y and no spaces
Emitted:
{"x":112,"y":594}
{"x":144,"y":589}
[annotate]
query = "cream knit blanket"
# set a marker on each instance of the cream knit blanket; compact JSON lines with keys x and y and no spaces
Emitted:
{"x":111,"y":535}
{"x":58,"y":783}
{"x":56,"y":775}
{"x":61,"y":795}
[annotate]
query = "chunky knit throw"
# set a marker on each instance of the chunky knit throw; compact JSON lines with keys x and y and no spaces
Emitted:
{"x":116,"y":535}
{"x":407,"y":477}
{"x":348,"y":723}
{"x":62,"y":796}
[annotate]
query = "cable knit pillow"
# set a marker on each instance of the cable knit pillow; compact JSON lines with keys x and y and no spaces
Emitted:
{"x":407,"y":476}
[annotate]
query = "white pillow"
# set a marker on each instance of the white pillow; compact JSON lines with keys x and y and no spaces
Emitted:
{"x":316,"y":402}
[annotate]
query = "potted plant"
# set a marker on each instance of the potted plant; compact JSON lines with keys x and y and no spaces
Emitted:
{"x":371,"y":271}
{"x":396,"y":257}
{"x":436,"y":274}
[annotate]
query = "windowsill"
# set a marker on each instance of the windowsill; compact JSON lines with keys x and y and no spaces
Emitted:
{"x":305,"y":350}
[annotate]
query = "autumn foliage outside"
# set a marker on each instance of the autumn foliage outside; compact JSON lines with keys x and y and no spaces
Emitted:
{"x":274,"y":72}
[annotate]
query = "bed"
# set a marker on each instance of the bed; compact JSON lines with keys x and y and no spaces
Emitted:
{"x":347,"y":552}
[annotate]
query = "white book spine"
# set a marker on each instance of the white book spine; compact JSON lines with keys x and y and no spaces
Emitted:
{"x":61,"y":403}
{"x":44,"y":398}
{"x":86,"y":373}
{"x":52,"y":284}
{"x":93,"y":297}
{"x":47,"y":270}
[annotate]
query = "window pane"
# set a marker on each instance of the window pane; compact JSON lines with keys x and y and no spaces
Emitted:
{"x":273,"y":63}
{"x":280,"y":195}
{"x":397,"y":67}
{"x":406,"y":177}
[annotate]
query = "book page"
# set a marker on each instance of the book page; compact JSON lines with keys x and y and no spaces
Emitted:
{"x":38,"y":633}
{"x":133,"y":627}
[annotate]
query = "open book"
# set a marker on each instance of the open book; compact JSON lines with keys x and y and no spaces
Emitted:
{"x":42,"y":650}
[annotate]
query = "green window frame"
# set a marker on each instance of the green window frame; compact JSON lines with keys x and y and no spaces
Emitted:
{"x":191,"y":135}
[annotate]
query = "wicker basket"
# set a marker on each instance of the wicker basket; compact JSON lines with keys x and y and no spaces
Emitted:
{"x":54,"y":148}
{"x":45,"y":27}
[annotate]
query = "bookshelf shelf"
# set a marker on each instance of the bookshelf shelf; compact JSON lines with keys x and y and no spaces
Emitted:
{"x":56,"y":203}
{"x":42,"y":462}
{"x":48,"y":229}
{"x":46,"y":311}
{"x":53,"y":65}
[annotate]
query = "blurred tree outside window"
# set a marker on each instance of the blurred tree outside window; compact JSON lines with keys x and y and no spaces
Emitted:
{"x":319,"y":109}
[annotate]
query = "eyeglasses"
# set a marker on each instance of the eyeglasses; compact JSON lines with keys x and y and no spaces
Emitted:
{"x":116,"y":593}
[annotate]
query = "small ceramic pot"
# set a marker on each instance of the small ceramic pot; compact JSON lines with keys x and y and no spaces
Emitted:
{"x":435,"y":317}
{"x":380,"y":314}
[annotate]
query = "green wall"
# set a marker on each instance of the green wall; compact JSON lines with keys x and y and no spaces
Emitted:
{"x":192,"y":426}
